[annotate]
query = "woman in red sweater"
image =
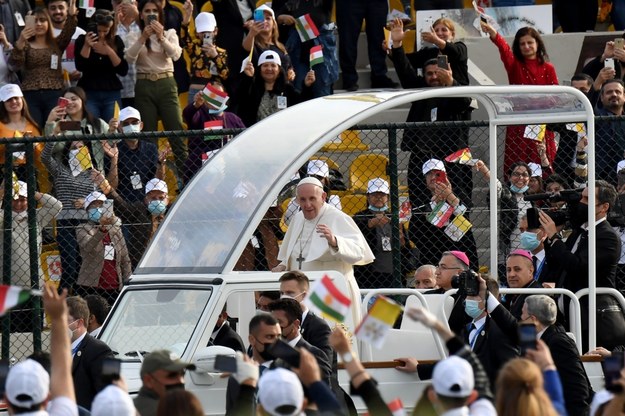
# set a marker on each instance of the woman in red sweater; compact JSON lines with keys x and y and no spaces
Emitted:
{"x":526,"y":64}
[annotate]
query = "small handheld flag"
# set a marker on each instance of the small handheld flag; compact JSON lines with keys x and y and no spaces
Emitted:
{"x":214,"y":97}
{"x":458,"y":227}
{"x":306,"y":28}
{"x":116,"y":111}
{"x":11,"y":296}
{"x":326,"y":299}
{"x":535,"y":132}
{"x":440,"y":214}
{"x":462,"y":156}
{"x":316,"y":55}
{"x":381,"y":317}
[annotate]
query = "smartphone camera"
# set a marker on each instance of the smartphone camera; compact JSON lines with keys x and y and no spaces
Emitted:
{"x":111,"y":370}
{"x":527,"y":337}
{"x":226,"y":363}
{"x":151,"y":18}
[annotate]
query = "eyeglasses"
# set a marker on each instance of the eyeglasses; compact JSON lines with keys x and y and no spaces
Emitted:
{"x":443,"y":267}
{"x":520,"y":175}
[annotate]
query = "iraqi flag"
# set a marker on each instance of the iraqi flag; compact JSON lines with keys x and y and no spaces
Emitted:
{"x":86,"y":4}
{"x":306,"y":28}
{"x":214,"y":97}
{"x":11,"y":296}
{"x":381,"y":317}
{"x":316,"y":55}
{"x":326,"y":299}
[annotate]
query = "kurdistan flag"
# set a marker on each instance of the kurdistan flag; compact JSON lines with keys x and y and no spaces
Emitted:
{"x":316,"y":55}
{"x":214,"y":97}
{"x":326,"y":299}
{"x":306,"y":28}
{"x":440,"y":214}
{"x":11,"y":296}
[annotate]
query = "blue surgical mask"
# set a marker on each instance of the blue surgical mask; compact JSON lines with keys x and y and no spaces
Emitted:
{"x":157,"y":207}
{"x":472,"y":308}
{"x":518,"y":190}
{"x":219,"y":110}
{"x":376,"y":209}
{"x":529,"y":241}
{"x":94,"y":214}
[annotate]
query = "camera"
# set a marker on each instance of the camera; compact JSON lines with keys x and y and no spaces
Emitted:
{"x":466,"y":283}
{"x":565,"y":195}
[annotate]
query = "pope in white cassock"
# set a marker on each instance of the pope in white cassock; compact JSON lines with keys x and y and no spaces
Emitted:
{"x":320,"y":237}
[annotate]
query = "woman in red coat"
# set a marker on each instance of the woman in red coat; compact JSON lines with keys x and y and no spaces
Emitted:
{"x":526,"y":64}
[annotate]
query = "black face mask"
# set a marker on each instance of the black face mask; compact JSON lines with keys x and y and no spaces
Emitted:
{"x":265,"y":354}
{"x":177,"y":386}
{"x":581,"y":214}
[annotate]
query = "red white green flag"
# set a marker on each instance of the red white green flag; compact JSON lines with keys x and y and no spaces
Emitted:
{"x":440,"y":214}
{"x":326,"y":299}
{"x":214,"y":97}
{"x":306,"y":28}
{"x":316,"y":55}
{"x":86,"y":4}
{"x":11,"y":296}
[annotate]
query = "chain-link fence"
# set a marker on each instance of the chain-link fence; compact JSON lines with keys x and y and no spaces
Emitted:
{"x":84,"y":208}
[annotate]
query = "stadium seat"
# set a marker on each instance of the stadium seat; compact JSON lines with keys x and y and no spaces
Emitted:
{"x":283,"y":207}
{"x":353,"y":204}
{"x":347,"y":141}
{"x":364,"y":168}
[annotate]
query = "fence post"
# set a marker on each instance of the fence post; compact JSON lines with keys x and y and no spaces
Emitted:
{"x":33,"y":232}
{"x":7,"y":242}
{"x":393,"y":177}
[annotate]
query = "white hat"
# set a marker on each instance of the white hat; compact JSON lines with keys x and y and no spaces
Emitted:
{"x":27,"y":384}
{"x":279,"y":388}
{"x":433,"y":164}
{"x":269,"y":57}
{"x":378,"y":185}
{"x":92,"y":197}
{"x":22,"y":190}
{"x":453,"y":377}
{"x":600,"y":398}
{"x":156,"y":185}
{"x":535,"y":169}
{"x":310,"y":180}
{"x":318,"y":168}
{"x":129,"y":112}
{"x":9,"y":91}
{"x":205,"y":22}
{"x":112,"y":401}
{"x":620,"y":166}
{"x":267,"y":9}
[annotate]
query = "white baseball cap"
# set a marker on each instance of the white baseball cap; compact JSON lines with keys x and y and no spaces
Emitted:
{"x":9,"y":91}
{"x":205,"y":22}
{"x":269,"y":57}
{"x":620,"y":166}
{"x":112,"y":401}
{"x":156,"y":185}
{"x":453,"y":377}
{"x":267,"y":9}
{"x":318,"y":168}
{"x":378,"y":185}
{"x":92,"y":197}
{"x":433,"y":164}
{"x":22,"y":190}
{"x":535,"y":169}
{"x":27,"y":384}
{"x":129,"y":112}
{"x":279,"y":390}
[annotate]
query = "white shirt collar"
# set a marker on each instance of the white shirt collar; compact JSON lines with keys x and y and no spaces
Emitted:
{"x":480,"y":322}
{"x":95,"y":332}
{"x":76,"y":343}
{"x":540,"y":256}
{"x":295,"y":340}
{"x":599,"y":221}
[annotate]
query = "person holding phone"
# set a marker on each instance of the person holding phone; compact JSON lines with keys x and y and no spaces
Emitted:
{"x":209,"y":63}
{"x":156,"y":92}
{"x":101,"y":60}
{"x":105,"y":260}
{"x":526,"y":63}
{"x":37,"y":53}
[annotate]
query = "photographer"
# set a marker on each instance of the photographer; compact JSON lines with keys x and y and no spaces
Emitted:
{"x":572,"y":257}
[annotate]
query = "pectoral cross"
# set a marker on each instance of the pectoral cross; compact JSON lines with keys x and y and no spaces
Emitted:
{"x":300,"y":259}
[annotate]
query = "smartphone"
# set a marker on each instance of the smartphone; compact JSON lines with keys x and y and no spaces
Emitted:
{"x":483,"y":19}
{"x":612,"y":367}
{"x":226,"y":363}
{"x":609,"y":63}
{"x":527,"y":337}
{"x":284,"y":351}
{"x":619,"y":43}
{"x":111,"y":370}
{"x":532,"y":219}
{"x":69,"y":125}
{"x":208,"y":39}
{"x":4,"y":372}
{"x":440,"y":176}
{"x":29,"y":21}
{"x":471,"y":284}
{"x":92,"y":27}
{"x":107,"y":208}
{"x":441,"y":61}
{"x":259,"y":16}
{"x":62,"y":102}
{"x":151,"y":18}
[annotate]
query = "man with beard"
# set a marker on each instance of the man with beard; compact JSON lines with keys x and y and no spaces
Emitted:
{"x":572,"y":257}
{"x":57,"y":9}
{"x":610,"y":135}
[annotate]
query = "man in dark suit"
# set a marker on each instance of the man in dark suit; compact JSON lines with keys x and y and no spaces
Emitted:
{"x":88,"y":353}
{"x":520,"y":275}
{"x":572,"y":257}
{"x":224,"y":335}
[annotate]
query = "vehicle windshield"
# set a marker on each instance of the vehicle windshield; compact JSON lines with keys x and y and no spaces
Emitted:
{"x":147,"y":320}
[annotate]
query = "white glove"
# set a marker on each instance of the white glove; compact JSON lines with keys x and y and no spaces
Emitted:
{"x":245,"y":369}
{"x":423,"y":315}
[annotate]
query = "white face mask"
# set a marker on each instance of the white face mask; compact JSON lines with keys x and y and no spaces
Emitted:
{"x":132,"y":128}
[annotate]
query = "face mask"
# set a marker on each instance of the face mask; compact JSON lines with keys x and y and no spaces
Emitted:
{"x":518,"y":190}
{"x":70,"y":331}
{"x":264,"y":354}
{"x":157,"y":207}
{"x":177,"y":386}
{"x":218,"y":110}
{"x":132,"y":128}
{"x":285,"y":296}
{"x":472,"y":308}
{"x":581,"y":213}
{"x":529,"y":241}
{"x":376,"y":209}
{"x":94,"y":214}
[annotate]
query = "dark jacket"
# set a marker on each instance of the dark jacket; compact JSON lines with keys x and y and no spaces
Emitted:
{"x":457,"y":56}
{"x":228,"y":337}
{"x":87,"y":369}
